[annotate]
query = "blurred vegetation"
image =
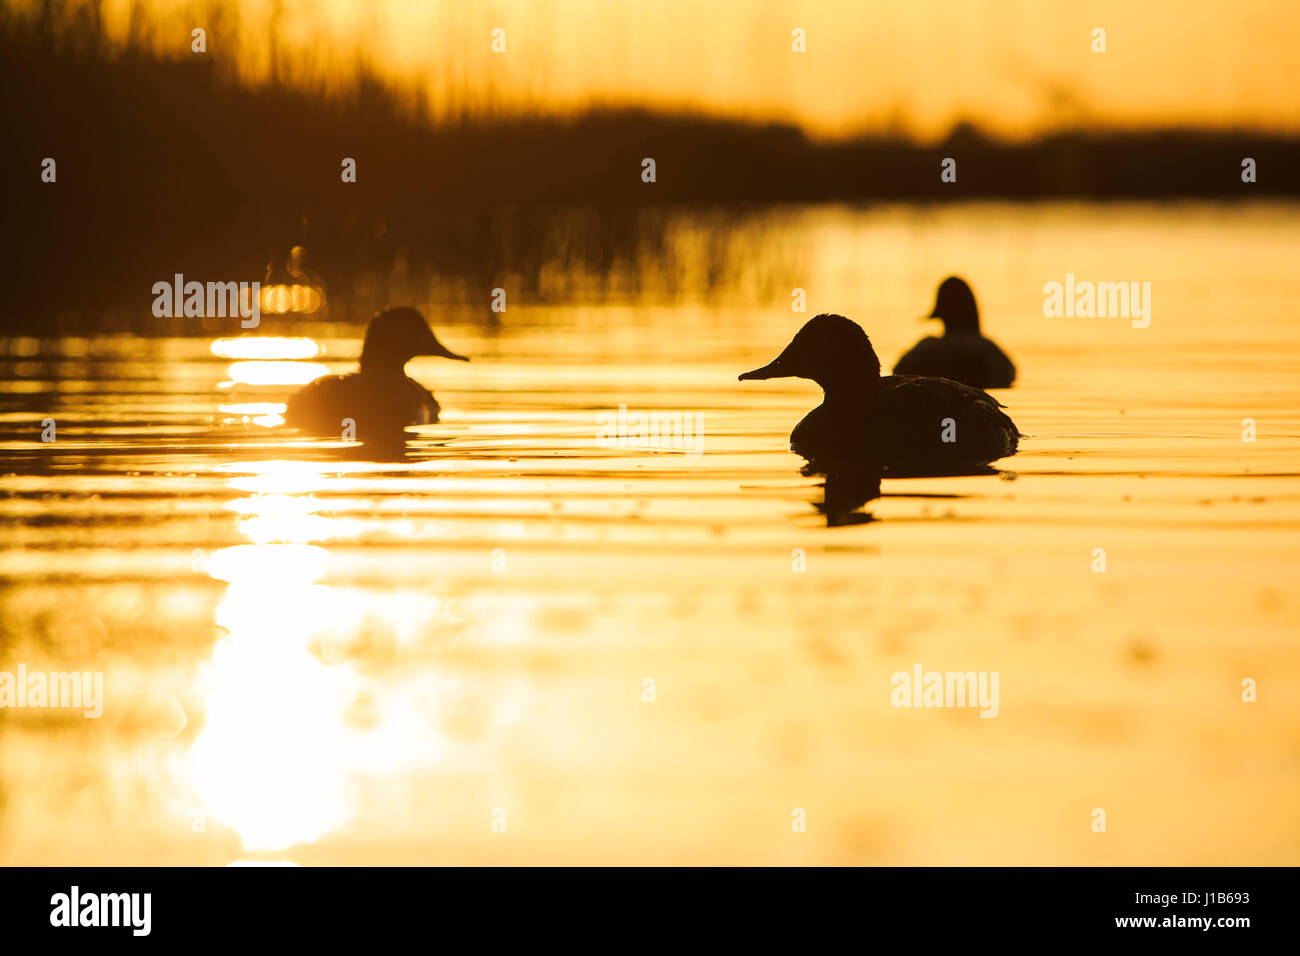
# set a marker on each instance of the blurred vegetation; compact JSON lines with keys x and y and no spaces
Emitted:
{"x":167,"y":165}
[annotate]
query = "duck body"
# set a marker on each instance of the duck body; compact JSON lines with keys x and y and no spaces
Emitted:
{"x":970,"y":359}
{"x":375,"y":403}
{"x":903,"y":424}
{"x":912,"y":425}
{"x":962,"y":353}
{"x":380,"y":399}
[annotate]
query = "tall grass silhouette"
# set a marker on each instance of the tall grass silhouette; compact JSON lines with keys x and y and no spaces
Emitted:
{"x":169,"y":164}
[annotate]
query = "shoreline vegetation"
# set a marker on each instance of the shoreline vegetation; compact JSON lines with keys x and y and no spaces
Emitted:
{"x":166,"y":165}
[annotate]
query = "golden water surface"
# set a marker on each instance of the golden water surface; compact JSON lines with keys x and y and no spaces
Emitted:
{"x":518,"y":645}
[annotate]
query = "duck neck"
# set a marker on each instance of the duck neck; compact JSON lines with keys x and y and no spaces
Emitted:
{"x":382,"y":366}
{"x":965,"y":324}
{"x":852,"y":392}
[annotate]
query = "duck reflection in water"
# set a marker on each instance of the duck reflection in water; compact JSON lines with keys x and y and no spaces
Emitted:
{"x":896,"y":426}
{"x":844,"y":492}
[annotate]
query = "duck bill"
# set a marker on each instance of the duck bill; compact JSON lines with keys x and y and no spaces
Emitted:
{"x":773,"y":369}
{"x":441,"y":351}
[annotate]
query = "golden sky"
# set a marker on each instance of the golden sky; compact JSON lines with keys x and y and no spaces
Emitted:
{"x":1016,"y":66}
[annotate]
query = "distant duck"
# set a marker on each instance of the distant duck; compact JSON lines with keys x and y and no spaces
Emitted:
{"x":301,"y":272}
{"x":380,"y":398}
{"x":962,"y":354}
{"x":906,"y":424}
{"x":294,"y":287}
{"x":276,"y":274}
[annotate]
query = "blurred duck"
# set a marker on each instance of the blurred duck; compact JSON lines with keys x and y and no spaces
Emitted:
{"x":276,"y":274}
{"x":962,"y":353}
{"x":300,"y":272}
{"x":904,"y":423}
{"x":293,"y":287}
{"x":380,"y":398}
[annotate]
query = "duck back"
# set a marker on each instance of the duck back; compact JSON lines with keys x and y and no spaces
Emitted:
{"x":914,"y":424}
{"x":377,"y":404}
{"x":923,"y":422}
{"x":970,"y":359}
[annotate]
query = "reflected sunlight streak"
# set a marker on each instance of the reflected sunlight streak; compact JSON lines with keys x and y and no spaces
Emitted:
{"x":266,"y":347}
{"x":289,"y":725}
{"x":276,"y":478}
{"x":268,"y":759}
{"x":275,"y":373}
{"x":267,"y":414}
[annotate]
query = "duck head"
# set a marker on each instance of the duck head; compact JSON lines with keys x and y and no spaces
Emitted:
{"x":297,"y":264}
{"x":955,"y":305}
{"x":395,"y":336}
{"x":832,"y":351}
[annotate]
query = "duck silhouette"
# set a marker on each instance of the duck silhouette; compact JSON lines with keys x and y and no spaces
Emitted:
{"x":300,"y":272}
{"x":379,"y":398}
{"x":293,"y":287}
{"x":901,"y":424}
{"x":962,"y":353}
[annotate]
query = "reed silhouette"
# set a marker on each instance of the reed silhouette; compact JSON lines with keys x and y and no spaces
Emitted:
{"x":168,"y":164}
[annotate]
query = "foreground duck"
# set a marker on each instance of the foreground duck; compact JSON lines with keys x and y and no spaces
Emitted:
{"x":380,"y":398}
{"x":904,"y":423}
{"x":962,"y":354}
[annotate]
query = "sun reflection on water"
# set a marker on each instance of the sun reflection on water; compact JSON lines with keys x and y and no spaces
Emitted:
{"x":266,"y":347}
{"x":268,"y":414}
{"x":268,"y":760}
{"x":271,"y":760}
{"x":267,"y":360}
{"x":296,"y":711}
{"x":274,"y":373}
{"x":279,"y":478}
{"x":278,"y":299}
